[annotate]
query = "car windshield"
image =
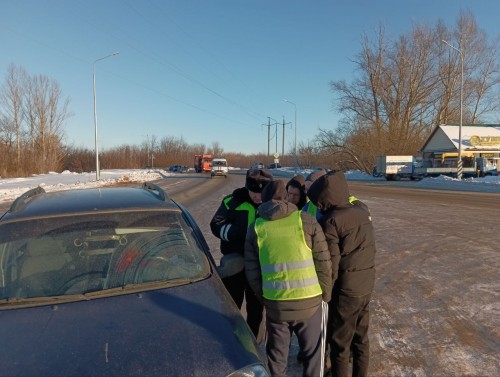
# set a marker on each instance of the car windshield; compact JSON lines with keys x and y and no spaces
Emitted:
{"x":90,"y":253}
{"x":219,"y":163}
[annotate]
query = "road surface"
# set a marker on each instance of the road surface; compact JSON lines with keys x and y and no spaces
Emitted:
{"x":436,"y":303}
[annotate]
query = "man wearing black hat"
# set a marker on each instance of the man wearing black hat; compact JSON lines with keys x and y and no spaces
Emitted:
{"x":230,"y":223}
{"x":289,"y":267}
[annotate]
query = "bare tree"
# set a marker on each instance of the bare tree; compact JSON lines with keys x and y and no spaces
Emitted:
{"x":12,"y":111}
{"x":216,"y":149}
{"x":406,"y":87}
{"x":481,"y":70}
{"x":46,"y":117}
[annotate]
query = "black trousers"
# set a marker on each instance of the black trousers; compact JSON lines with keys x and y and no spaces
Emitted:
{"x":239,"y":289}
{"x":311,"y":334}
{"x":349,"y":318}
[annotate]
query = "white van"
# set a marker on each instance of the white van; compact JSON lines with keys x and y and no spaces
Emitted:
{"x":219,"y":167}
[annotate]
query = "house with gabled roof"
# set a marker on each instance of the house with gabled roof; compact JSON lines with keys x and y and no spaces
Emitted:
{"x":477,"y":140}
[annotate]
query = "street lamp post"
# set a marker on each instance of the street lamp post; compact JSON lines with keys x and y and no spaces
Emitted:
{"x":97,"y":169}
{"x":459,"y":163}
{"x":295,"y":142}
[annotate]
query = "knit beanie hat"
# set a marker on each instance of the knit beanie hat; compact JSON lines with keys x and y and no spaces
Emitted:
{"x":257,"y":179}
{"x":274,"y":190}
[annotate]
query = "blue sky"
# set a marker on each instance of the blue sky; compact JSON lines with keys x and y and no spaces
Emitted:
{"x":205,"y":70}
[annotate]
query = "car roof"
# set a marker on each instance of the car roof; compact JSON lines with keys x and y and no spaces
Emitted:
{"x":38,"y":203}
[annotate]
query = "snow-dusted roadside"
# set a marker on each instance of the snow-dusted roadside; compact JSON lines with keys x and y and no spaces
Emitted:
{"x":11,"y":188}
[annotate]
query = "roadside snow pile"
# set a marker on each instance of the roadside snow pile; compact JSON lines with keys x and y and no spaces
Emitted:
{"x":12,"y":188}
{"x":361,"y":176}
{"x":485,"y":184}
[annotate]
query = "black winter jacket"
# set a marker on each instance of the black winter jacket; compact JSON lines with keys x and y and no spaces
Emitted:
{"x":230,"y":225}
{"x":349,"y":233}
{"x":290,"y":310}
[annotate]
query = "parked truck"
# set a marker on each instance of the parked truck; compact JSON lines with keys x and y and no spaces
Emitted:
{"x":446,"y":164}
{"x":396,"y":167}
{"x":202,"y":163}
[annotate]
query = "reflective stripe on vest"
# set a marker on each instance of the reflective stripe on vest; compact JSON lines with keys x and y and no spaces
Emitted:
{"x":251,"y":212}
{"x":287,"y":266}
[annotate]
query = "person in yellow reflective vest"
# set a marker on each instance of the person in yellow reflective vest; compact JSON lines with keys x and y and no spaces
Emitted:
{"x":230,"y":223}
{"x":288,"y":266}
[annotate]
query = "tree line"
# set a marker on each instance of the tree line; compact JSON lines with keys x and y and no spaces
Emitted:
{"x":404,"y":87}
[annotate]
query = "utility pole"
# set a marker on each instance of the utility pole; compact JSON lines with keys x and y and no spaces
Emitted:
{"x":268,"y":134}
{"x":283,"y":140}
{"x":97,"y":165}
{"x":296,"y":156}
{"x":459,"y":162}
{"x":276,"y":136}
{"x":147,"y":146}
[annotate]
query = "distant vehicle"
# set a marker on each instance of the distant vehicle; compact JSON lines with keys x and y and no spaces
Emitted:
{"x":219,"y":167}
{"x":257,"y":165}
{"x":446,"y":164}
{"x":182,"y":169}
{"x":202,"y":163}
{"x":398,"y":167}
{"x":115,"y":282}
{"x":173,"y":168}
{"x":393,"y":168}
{"x":274,"y":166}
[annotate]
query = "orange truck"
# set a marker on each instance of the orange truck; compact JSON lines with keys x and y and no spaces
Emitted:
{"x":202,"y":163}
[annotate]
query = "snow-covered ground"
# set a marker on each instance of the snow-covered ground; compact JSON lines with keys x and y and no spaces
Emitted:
{"x":11,"y":188}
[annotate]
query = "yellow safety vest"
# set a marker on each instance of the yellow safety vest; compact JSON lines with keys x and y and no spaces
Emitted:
{"x":287,"y":265}
{"x":242,"y":207}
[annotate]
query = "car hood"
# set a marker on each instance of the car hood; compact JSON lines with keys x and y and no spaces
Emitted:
{"x":190,"y":330}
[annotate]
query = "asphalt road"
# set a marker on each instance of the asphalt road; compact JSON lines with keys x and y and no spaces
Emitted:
{"x":436,"y":303}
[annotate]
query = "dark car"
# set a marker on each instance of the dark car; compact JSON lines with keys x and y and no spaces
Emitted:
{"x":257,"y":165}
{"x":183,"y":169}
{"x":173,"y":168}
{"x":114,"y":281}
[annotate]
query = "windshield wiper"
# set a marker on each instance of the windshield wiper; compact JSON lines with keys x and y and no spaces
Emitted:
{"x":16,"y":302}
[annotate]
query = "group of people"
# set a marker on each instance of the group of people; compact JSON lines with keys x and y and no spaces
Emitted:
{"x":304,"y":254}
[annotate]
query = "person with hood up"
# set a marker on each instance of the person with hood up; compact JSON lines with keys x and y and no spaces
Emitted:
{"x":288,"y":266}
{"x":230,"y":223}
{"x":310,"y":207}
{"x":351,"y":241}
{"x":296,"y":192}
